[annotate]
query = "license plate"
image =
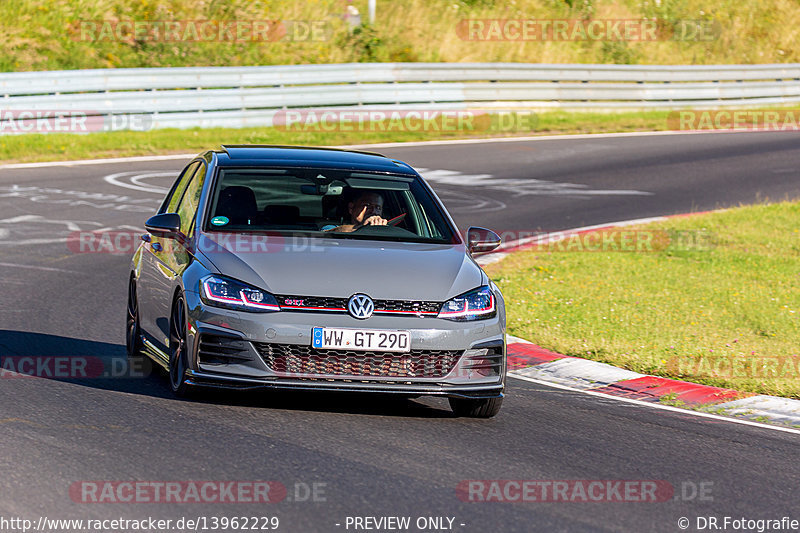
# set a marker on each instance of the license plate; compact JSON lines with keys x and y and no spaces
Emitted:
{"x":378,"y":340}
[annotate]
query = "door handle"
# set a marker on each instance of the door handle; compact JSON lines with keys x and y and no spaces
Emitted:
{"x":156,"y":246}
{"x":145,"y":237}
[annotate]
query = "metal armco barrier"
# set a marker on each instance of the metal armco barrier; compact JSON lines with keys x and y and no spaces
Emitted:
{"x":251,"y":96}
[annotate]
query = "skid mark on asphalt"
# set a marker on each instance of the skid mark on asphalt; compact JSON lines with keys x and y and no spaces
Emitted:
{"x":456,"y":189}
{"x":72,"y":225}
{"x":81,"y":427}
{"x":36,"y":229}
{"x":24,"y":421}
{"x":67,"y":198}
{"x":133,"y":180}
{"x":46,"y":269}
{"x":457,"y":201}
{"x":522,"y":186}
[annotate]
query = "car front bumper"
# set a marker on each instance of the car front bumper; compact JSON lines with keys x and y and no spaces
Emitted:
{"x":234,"y":349}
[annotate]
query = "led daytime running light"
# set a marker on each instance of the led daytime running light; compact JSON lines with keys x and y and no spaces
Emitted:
{"x":243,"y":300}
{"x":465,"y":311}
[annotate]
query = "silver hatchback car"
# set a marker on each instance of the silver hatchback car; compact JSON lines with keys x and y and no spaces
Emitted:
{"x":316,"y":269}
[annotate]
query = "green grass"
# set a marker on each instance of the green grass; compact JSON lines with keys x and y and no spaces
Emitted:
{"x":724,"y":314}
{"x":60,"y":146}
{"x":38,"y":35}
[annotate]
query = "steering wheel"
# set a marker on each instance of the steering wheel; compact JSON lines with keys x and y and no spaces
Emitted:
{"x":391,"y":223}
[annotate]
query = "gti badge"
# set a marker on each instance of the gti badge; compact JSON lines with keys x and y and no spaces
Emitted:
{"x":360,"y":306}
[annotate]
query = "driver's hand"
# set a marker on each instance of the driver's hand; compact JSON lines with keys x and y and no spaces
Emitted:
{"x":375,"y":220}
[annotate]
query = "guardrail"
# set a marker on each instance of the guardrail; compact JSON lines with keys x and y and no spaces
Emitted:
{"x":251,"y":96}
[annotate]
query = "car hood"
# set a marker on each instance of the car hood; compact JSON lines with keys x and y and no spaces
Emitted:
{"x":342,"y":267}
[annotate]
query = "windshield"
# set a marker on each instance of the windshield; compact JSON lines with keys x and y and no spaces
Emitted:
{"x":326,"y":203}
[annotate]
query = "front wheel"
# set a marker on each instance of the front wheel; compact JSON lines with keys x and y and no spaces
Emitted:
{"x":476,"y":407}
{"x":178,"y":348}
{"x":133,"y":338}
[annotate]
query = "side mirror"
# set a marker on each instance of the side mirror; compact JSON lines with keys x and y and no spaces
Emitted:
{"x":481,"y":240}
{"x":165,"y":224}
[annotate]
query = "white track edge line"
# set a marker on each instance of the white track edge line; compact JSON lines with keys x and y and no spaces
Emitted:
{"x":528,"y":138}
{"x":659,"y":406}
{"x":109,"y":161}
{"x":413,"y":144}
{"x":510,"y":247}
{"x":568,"y":232}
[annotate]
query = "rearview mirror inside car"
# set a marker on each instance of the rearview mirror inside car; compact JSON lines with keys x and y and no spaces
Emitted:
{"x":322,"y":189}
{"x":319,"y":189}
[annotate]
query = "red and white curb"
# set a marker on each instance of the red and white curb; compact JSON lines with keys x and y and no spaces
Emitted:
{"x":530,"y":362}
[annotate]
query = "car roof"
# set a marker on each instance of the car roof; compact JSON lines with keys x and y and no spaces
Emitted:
{"x":308,"y":157}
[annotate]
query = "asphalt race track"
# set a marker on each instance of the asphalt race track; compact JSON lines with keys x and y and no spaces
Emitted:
{"x":367,"y":456}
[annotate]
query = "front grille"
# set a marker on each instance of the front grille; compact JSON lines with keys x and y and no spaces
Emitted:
{"x":407,"y":306}
{"x":319,"y":303}
{"x":310,"y":303}
{"x":303,"y":360}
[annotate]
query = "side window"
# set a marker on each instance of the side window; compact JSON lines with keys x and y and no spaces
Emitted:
{"x":191,"y":198}
{"x":171,"y":201}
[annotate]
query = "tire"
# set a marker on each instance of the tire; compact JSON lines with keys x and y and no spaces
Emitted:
{"x":133,"y":334}
{"x":476,"y":408}
{"x":177,"y":349}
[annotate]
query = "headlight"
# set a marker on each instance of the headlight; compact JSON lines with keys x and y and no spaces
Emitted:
{"x":224,"y":292}
{"x":474,"y":305}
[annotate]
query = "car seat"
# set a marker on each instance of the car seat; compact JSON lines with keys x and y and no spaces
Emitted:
{"x":238,"y":204}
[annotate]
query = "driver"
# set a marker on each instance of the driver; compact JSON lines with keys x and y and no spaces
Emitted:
{"x":365,"y":210}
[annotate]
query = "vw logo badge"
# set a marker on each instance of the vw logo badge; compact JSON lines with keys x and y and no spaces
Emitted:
{"x":360,"y":306}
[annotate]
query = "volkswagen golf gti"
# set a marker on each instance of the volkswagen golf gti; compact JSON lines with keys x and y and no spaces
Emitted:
{"x":316,"y":269}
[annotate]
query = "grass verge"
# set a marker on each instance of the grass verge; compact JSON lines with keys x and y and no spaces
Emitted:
{"x":724,"y":313}
{"x":61,"y":146}
{"x":76,"y":34}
